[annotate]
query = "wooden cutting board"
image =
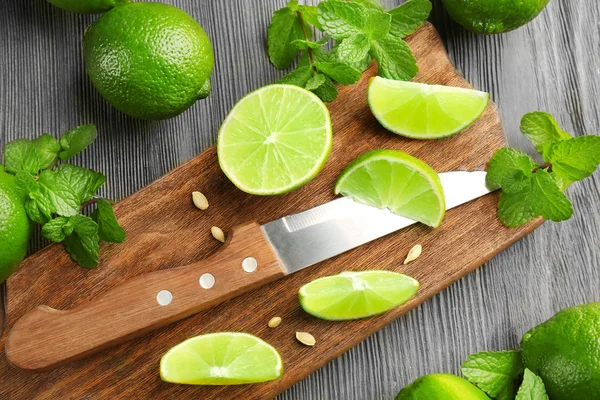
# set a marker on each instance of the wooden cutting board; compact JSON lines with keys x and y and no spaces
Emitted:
{"x":165,"y":230}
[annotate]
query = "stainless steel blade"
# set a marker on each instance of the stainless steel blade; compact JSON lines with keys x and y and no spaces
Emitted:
{"x":309,"y":237}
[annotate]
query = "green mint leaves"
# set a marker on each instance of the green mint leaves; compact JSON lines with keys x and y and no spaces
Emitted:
{"x":532,"y":387}
{"x":494,"y":372}
{"x":362,"y":30}
{"x":55,"y":194}
{"x":530,"y":190}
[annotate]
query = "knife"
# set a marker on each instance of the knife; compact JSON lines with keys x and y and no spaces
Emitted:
{"x":252,"y":256}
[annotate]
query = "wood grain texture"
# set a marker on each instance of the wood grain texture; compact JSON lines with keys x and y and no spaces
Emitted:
{"x":46,"y":338}
{"x":551,"y":64}
{"x":469,"y":236}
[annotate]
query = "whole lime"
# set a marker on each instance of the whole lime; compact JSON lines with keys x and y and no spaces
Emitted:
{"x":441,"y":387}
{"x":565,"y":352}
{"x":87,"y":6}
{"x":149,"y":60}
{"x":14,"y":225}
{"x":493,"y":16}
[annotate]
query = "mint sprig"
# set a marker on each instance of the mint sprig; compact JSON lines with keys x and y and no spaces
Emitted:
{"x":532,"y":387}
{"x":494,"y":372}
{"x":362,"y":31}
{"x":56,"y":194}
{"x":531,"y":190}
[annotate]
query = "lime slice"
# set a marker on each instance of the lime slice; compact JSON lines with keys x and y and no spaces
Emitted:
{"x":226,"y":358}
{"x":352,"y":295}
{"x":397,"y":181}
{"x":275,"y":140}
{"x":421,"y":111}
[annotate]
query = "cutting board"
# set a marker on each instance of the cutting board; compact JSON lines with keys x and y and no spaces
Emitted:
{"x":165,"y":230}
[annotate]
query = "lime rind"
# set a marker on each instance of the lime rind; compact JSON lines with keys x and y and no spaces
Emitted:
{"x":283,"y":153}
{"x":421,"y":191}
{"x":356,"y":295}
{"x":421,"y":111}
{"x":225,"y":358}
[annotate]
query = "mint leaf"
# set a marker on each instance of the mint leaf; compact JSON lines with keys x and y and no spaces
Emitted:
{"x":109,"y":229}
{"x":47,"y":149}
{"x":21,"y":155}
{"x":541,"y":129}
{"x":341,"y":19}
{"x":492,"y":372}
{"x":76,"y":140}
{"x":409,"y":17}
{"x":508,"y":393}
{"x":509,"y":169}
{"x":354,"y":49}
{"x":574,"y":159}
{"x":285,"y":28}
{"x":299,"y":76}
{"x":339,"y":72}
{"x":541,"y":196}
{"x":315,"y":82}
{"x":532,"y":387}
{"x":377,"y":24}
{"x":327,"y":91}
{"x":303,"y":44}
{"x":394,"y":58}
{"x":83,"y":243}
{"x":371,"y":4}
{"x":38,"y":207}
{"x":310,"y":15}
{"x":84,"y":182}
{"x":55,"y":230}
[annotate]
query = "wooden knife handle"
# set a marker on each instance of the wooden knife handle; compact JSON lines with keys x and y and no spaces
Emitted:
{"x":46,"y":338}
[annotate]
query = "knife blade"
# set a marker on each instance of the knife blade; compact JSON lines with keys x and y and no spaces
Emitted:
{"x":252,"y":256}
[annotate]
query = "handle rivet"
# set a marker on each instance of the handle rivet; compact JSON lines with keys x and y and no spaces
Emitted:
{"x":164,"y":297}
{"x":249,"y":264}
{"x":207,"y":281}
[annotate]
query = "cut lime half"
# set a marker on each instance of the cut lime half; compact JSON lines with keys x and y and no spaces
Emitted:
{"x":353,"y":295}
{"x":225,"y":358}
{"x":397,"y":181}
{"x":421,"y":111}
{"x":275,"y":140}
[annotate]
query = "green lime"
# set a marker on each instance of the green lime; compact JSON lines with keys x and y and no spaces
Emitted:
{"x":87,"y":6}
{"x":353,"y":295}
{"x":397,"y":181}
{"x":14,"y":225}
{"x":421,"y":111}
{"x":441,"y":387}
{"x":275,"y":140}
{"x":225,"y":358}
{"x":565,"y":352}
{"x":493,"y":16}
{"x":149,"y":60}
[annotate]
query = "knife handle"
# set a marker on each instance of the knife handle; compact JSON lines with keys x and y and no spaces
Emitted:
{"x":46,"y":338}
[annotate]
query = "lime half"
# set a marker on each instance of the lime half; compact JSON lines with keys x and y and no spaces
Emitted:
{"x":353,"y":295}
{"x":421,"y":111}
{"x":275,"y":140}
{"x":226,"y":358}
{"x":397,"y":181}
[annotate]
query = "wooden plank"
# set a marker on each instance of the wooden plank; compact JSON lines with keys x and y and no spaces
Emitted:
{"x":165,"y":231}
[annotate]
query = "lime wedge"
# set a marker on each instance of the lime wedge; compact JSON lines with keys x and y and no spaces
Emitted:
{"x":397,"y":181}
{"x":353,"y":295}
{"x":421,"y":111}
{"x":226,"y":358}
{"x":275,"y":140}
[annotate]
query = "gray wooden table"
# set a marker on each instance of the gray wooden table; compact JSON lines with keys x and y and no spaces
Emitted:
{"x":552,"y":64}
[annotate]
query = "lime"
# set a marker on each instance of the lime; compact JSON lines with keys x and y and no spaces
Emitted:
{"x":149,"y":60}
{"x":225,"y":358}
{"x":87,"y":6}
{"x":14,"y":225}
{"x":565,"y":352}
{"x":275,"y":140}
{"x":493,"y":16}
{"x":421,"y":111}
{"x":441,"y":387}
{"x":397,"y":181}
{"x":353,"y":295}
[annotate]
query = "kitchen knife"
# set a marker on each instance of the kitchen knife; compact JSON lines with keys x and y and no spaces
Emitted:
{"x":252,"y":256}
